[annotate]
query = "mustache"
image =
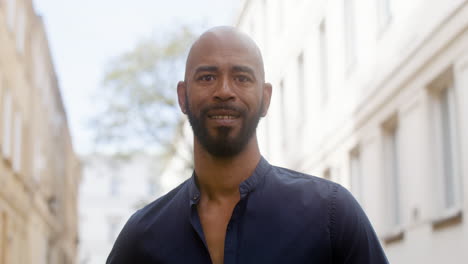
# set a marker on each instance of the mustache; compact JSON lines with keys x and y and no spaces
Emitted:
{"x":223,"y":106}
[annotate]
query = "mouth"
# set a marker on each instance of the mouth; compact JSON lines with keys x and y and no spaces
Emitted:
{"x":223,"y":114}
{"x":223,"y":117}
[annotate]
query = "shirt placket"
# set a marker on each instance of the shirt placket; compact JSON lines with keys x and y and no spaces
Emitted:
{"x":195,"y":222}
{"x":231,"y":243}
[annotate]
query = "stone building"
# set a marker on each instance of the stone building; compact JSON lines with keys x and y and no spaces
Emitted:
{"x":39,"y":171}
{"x":373,"y":94}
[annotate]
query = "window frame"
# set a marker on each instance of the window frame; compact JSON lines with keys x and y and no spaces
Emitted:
{"x":323,"y":61}
{"x":11,"y":7}
{"x":7,"y":124}
{"x":17,"y":152}
{"x":349,"y":33}
{"x":355,"y":179}
{"x":384,"y":15}
{"x":440,"y":89}
{"x":390,"y":135}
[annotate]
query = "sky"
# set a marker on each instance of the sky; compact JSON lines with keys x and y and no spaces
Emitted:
{"x":84,"y":35}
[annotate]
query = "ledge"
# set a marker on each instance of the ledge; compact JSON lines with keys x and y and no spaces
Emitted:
{"x":394,"y":236}
{"x":452,"y":218}
{"x":6,"y":161}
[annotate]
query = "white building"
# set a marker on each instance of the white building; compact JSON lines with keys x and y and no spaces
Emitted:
{"x":111,"y":191}
{"x":373,"y":94}
{"x":179,"y":165}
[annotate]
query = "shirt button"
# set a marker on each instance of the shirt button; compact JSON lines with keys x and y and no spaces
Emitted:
{"x":195,"y":197}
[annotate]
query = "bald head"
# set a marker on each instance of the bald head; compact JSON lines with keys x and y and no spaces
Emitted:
{"x":224,"y":93}
{"x":224,"y":44}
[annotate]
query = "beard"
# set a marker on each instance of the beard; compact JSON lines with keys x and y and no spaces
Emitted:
{"x":223,"y":144}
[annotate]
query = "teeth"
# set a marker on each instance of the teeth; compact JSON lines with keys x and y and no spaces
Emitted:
{"x":223,"y":117}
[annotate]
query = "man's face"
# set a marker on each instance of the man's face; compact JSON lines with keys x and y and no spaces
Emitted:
{"x":224,"y":94}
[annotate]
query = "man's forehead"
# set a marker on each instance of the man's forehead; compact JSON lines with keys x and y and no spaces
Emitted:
{"x":224,"y":46}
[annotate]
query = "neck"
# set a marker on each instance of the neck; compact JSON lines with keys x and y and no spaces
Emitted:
{"x":219,"y":178}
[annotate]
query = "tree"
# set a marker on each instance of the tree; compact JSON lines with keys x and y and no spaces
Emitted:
{"x":138,"y":97}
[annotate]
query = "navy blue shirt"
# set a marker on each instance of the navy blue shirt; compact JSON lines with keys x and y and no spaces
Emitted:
{"x":283,"y":216}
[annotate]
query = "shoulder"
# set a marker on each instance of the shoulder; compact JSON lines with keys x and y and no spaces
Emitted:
{"x":351,"y":234}
{"x":164,"y":205}
{"x":309,"y":193}
{"x":288,"y":174}
{"x":333,"y":197}
{"x":334,"y":200}
{"x":298,"y":181}
{"x":127,"y":248}
{"x":156,"y":211}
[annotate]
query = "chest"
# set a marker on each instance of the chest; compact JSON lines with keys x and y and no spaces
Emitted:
{"x":248,"y":233}
{"x":215,"y":221}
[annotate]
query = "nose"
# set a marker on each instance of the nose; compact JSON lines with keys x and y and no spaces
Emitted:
{"x":224,"y":91}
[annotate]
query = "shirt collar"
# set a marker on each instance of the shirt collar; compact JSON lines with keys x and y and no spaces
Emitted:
{"x":194,"y":193}
{"x":247,"y":186}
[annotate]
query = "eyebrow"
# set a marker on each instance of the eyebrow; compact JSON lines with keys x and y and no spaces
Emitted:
{"x":235,"y":68}
{"x":239,"y":68}
{"x":206,"y":69}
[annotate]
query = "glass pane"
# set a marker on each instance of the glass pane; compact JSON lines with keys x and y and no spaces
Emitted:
{"x":447,"y":149}
{"x":392,"y":175}
{"x":355,"y":171}
{"x":395,"y":178}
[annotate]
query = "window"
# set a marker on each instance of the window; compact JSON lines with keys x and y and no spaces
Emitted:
{"x":392,"y":174}
{"x":446,"y":126}
{"x":7,"y":116}
{"x":2,"y":109}
{"x":3,"y":235}
{"x":301,"y":84}
{"x":18,"y":137}
{"x":355,"y":173}
{"x":327,"y":174}
{"x":349,"y":33}
{"x":21,"y":31}
{"x":323,"y":63}
{"x":384,"y":14}
{"x":11,"y":14}
{"x":113,"y":222}
{"x":252,"y":29}
{"x":283,"y":114}
{"x":151,"y":184}
{"x":39,"y":162}
{"x":281,"y":20}
{"x":114,"y":186}
{"x":446,"y":142}
{"x":265,"y":9}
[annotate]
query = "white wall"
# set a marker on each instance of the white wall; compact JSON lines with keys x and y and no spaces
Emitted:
{"x":390,"y":78}
{"x":103,"y":213}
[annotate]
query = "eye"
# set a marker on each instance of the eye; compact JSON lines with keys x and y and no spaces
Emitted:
{"x":243,"y":78}
{"x":206,"y":78}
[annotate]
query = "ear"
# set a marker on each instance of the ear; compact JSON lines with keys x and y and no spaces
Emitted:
{"x":267,"y":90}
{"x":181,"y":95}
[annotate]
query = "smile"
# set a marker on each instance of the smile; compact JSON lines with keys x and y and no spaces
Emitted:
{"x":223,"y":117}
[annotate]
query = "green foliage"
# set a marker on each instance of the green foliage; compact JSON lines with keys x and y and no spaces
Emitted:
{"x":138,"y":96}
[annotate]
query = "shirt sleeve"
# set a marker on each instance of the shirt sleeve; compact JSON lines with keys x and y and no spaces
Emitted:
{"x":125,"y":247}
{"x":353,"y":239}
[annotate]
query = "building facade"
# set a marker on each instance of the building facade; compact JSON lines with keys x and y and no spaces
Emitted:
{"x":373,"y":94}
{"x":39,"y":171}
{"x":112,"y":190}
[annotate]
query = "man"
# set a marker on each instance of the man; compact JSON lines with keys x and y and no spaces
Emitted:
{"x":237,"y":208}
